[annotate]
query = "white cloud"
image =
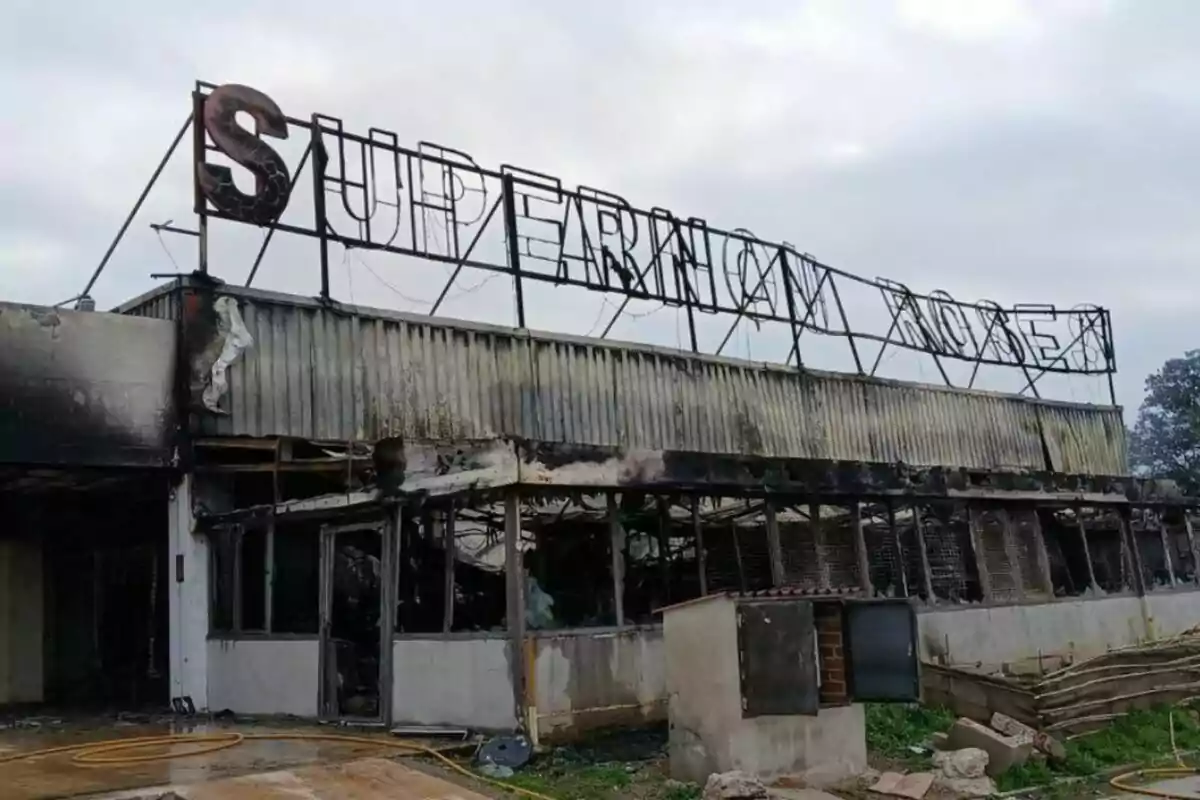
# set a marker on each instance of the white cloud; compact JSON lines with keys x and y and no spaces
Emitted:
{"x":1013,"y":148}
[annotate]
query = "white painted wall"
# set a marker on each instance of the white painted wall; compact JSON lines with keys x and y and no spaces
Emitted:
{"x":266,"y":677}
{"x":585,"y":679}
{"x":1173,"y":612}
{"x":1061,"y":629}
{"x":188,"y":599}
{"x":21,"y":622}
{"x":457,"y":681}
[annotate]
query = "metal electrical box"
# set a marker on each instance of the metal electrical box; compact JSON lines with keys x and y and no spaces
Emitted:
{"x":777,"y":657}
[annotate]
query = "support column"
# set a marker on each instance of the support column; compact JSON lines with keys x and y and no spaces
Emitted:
{"x":818,"y":532}
{"x":985,"y":578}
{"x":1012,"y":552}
{"x":1133,"y":555}
{"x":1043,"y":555}
{"x":189,"y":599}
{"x":702,"y":560}
{"x":860,"y":549}
{"x":1166,"y":546}
{"x":1087,"y":550}
{"x":451,"y":559}
{"x":900,"y":565}
{"x":923,"y":549}
{"x":616,"y":538}
{"x":1193,"y":545}
{"x":514,"y":576}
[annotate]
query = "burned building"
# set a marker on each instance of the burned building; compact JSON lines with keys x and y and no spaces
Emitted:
{"x":364,"y":514}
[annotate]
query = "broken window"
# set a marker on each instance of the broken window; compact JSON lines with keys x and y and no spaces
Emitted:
{"x":798,"y":547}
{"x":480,"y":601}
{"x":991,"y":525}
{"x":295,"y":578}
{"x":1070,"y":573}
{"x":1110,"y":559}
{"x":241,"y":583}
{"x":904,"y":520}
{"x":952,"y":568}
{"x":883,"y":552}
{"x":1026,"y":533}
{"x":737,"y":554}
{"x":1148,"y":537}
{"x":222,"y":554}
{"x":569,"y":565}
{"x":252,"y":588}
{"x":420,"y":576}
{"x":837,"y":550}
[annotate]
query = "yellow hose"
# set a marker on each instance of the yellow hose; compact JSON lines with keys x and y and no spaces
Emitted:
{"x":100,"y":753}
{"x":1122,"y":781}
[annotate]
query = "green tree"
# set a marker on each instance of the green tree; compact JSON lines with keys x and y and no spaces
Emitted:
{"x":1165,"y":441}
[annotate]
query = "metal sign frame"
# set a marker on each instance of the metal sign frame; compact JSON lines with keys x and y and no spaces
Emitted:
{"x":437,"y":203}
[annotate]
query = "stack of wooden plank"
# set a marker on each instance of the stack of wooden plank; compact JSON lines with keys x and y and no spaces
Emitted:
{"x":1079,"y":698}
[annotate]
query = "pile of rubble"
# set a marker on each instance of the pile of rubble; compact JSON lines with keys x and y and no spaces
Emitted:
{"x":970,"y":756}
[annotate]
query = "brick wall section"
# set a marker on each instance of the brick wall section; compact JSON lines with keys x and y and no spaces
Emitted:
{"x":832,"y":654}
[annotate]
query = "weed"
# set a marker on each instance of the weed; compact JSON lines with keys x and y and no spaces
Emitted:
{"x":892,"y":730}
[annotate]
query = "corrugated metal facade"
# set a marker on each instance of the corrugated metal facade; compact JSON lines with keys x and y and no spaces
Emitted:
{"x":327,"y":373}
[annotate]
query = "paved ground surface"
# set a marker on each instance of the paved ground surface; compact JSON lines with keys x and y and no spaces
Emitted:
{"x":363,"y":779}
{"x":296,"y":770}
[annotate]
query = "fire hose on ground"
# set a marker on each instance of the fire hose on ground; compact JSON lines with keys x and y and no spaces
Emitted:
{"x":117,"y":751}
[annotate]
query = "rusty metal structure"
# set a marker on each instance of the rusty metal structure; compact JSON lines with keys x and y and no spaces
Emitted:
{"x":437,"y":204}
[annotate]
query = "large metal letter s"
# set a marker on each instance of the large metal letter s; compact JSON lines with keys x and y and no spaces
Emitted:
{"x":270,"y":171}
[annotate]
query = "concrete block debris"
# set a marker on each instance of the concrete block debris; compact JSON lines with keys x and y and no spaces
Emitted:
{"x":913,"y":786}
{"x":1022,"y":732}
{"x":970,"y":762}
{"x":1004,"y":752}
{"x":734,"y":786}
{"x":962,"y":773}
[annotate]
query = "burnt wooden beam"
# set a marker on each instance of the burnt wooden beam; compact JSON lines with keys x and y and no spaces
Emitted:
{"x":818,"y":534}
{"x":1193,"y":545}
{"x":923,"y":549}
{"x":774,"y":547}
{"x":1132,"y":555}
{"x":1166,"y":545}
{"x":860,"y":549}
{"x":899,"y":548}
{"x":1087,"y":553}
{"x":985,"y":577}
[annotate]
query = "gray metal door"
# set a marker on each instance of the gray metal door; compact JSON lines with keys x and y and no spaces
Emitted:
{"x":880,"y":640}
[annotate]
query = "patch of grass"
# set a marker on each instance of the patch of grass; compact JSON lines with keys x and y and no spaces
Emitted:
{"x":616,"y":764}
{"x":1142,"y":737}
{"x":893,"y":729}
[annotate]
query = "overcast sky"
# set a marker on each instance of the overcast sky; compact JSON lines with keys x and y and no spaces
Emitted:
{"x":1034,"y":151}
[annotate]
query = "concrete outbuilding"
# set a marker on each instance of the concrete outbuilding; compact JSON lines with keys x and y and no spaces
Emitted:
{"x":768,"y":684}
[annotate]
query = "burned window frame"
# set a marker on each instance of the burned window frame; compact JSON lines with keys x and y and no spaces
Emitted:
{"x":227,"y":596}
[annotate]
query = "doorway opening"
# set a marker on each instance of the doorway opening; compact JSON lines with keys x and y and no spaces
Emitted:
{"x":352,"y":629}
